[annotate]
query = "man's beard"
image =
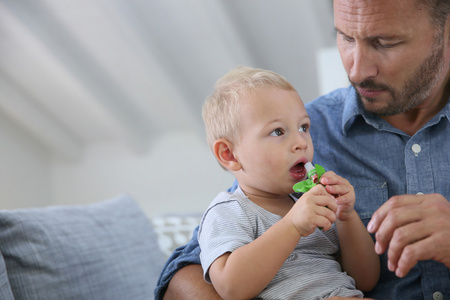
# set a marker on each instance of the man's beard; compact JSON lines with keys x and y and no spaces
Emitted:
{"x":416,"y":89}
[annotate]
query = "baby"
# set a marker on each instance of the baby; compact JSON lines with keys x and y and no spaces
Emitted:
{"x":261,"y":241}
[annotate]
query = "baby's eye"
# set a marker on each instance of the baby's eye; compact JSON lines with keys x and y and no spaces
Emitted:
{"x":277,"y":132}
{"x":303,"y":128}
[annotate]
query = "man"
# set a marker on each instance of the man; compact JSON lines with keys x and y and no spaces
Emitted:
{"x":389,"y":135}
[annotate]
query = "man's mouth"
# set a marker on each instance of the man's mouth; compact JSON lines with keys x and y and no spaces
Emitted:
{"x":370,"y":89}
{"x":368,"y":93}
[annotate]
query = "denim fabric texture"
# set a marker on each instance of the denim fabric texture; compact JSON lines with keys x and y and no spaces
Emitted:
{"x":380,"y":161}
{"x":181,"y":257}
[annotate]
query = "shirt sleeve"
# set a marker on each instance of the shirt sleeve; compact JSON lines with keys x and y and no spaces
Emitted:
{"x":225,"y":227}
{"x":181,"y":257}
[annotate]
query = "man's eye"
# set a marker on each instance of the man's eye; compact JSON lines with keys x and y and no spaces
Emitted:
{"x":277,"y":132}
{"x":385,"y":44}
{"x":303,"y":128}
{"x":347,"y":38}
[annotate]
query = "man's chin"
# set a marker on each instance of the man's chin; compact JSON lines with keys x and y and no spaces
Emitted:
{"x":369,"y":104}
{"x":380,"y":110}
{"x":374,"y":106}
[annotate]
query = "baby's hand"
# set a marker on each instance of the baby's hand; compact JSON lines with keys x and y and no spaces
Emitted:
{"x":343,"y":191}
{"x":316,"y":208}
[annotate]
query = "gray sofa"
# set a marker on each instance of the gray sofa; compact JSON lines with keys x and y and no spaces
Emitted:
{"x":107,"y":250}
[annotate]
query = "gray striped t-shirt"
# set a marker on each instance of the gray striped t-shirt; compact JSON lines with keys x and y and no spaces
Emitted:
{"x":310,"y":272}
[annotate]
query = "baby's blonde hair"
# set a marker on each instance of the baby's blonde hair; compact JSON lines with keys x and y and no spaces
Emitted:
{"x":221,"y":112}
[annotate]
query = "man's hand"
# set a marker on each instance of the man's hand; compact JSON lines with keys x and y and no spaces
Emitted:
{"x":414,"y":227}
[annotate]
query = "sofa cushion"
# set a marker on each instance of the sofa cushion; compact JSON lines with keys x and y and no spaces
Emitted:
{"x":5,"y":288}
{"x":106,"y":250}
{"x":175,"y":230}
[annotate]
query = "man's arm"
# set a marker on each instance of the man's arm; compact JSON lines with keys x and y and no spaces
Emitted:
{"x":188,"y":283}
{"x":413,"y":227}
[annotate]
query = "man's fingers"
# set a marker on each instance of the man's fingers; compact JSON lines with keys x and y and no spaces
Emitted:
{"x":402,"y":237}
{"x":387,"y":208}
{"x":394,"y":223}
{"x":411,"y":254}
{"x":415,"y":228}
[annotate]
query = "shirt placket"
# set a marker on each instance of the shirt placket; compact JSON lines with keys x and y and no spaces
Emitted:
{"x":420,"y":180}
{"x":419,"y":172}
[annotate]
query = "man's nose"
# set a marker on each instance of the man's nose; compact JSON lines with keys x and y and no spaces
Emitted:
{"x":362,"y":64}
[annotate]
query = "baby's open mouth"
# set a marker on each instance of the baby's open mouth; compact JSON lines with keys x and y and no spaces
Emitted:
{"x":298,"y":168}
{"x":298,"y":171}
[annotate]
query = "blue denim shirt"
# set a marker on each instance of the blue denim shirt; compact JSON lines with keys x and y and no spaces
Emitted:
{"x":380,"y":161}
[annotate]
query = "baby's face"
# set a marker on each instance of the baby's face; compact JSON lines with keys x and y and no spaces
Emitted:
{"x":274,"y":142}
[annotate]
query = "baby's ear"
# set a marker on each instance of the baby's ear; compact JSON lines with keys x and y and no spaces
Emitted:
{"x":223,"y":150}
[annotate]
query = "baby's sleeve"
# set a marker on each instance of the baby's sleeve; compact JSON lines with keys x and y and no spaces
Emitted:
{"x":224,"y":228}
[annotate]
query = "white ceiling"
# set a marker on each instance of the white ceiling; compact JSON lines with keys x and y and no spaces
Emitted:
{"x":77,"y":72}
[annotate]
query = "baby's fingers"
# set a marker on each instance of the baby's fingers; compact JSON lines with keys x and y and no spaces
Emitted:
{"x":330,"y":177}
{"x":323,"y":198}
{"x":327,"y":219}
{"x":339,"y":189}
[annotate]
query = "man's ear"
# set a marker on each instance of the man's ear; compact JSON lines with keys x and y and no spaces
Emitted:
{"x":223,"y":150}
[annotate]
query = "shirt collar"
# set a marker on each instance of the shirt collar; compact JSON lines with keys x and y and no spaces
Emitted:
{"x":353,"y":110}
{"x":446,"y":110}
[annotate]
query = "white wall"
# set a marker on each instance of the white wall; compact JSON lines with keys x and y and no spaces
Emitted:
{"x":179,"y":174}
{"x":25,"y":169}
{"x":331,"y":72}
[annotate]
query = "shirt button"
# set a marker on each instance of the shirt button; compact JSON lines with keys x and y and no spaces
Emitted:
{"x":416,"y":149}
{"x":438,"y":296}
{"x":419,"y":193}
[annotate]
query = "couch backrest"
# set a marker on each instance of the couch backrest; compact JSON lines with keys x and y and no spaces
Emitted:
{"x":5,"y":288}
{"x":106,"y":250}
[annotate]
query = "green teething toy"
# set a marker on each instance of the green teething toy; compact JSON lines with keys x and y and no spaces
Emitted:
{"x":314,"y":174}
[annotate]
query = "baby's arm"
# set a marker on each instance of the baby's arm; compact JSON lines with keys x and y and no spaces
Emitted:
{"x":244,"y":273}
{"x":358,"y":255}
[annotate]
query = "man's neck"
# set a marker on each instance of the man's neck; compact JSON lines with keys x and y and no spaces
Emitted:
{"x":413,"y":120}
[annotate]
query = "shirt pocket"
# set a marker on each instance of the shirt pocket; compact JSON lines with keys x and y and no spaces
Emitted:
{"x":370,"y":195}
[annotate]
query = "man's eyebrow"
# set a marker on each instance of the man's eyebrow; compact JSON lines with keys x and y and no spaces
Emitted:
{"x":380,"y":36}
{"x":338,"y":30}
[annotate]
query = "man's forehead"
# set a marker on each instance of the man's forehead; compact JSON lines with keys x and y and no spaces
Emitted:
{"x":373,"y":9}
{"x":375,"y":18}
